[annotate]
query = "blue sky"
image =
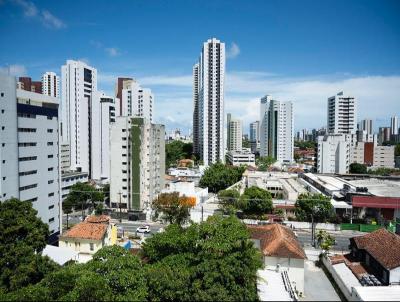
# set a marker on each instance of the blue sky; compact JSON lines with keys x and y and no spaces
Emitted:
{"x":304,"y":51}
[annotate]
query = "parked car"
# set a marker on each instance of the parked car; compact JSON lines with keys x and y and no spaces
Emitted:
{"x":143,"y":229}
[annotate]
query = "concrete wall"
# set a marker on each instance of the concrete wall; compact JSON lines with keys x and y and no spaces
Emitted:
{"x":319,"y":226}
{"x":341,"y":284}
{"x":395,"y":275}
{"x":294,"y":267}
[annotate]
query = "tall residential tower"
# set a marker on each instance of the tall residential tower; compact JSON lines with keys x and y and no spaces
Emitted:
{"x":342,"y":114}
{"x":209,"y":102}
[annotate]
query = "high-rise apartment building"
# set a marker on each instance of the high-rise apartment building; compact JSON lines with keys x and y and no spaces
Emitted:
{"x":372,"y":155}
{"x":276,"y":129}
{"x":29,"y":157}
{"x":334,"y":153}
{"x":235,"y":133}
{"x":80,"y":119}
{"x":51,"y":84}
{"x":137,"y":163}
{"x":210,"y":75}
{"x":394,"y":125}
{"x":384,"y":134}
{"x":255,"y":136}
{"x":342,"y":114}
{"x":135,"y":100}
{"x":26,"y":83}
{"x":196,"y":75}
{"x":366,"y":125}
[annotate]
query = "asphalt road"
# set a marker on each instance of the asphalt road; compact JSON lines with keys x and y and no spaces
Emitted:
{"x":341,"y":238}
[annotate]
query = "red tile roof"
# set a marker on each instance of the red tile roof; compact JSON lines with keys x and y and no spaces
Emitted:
{"x":383,"y":245}
{"x":278,"y":241}
{"x":86,"y":230}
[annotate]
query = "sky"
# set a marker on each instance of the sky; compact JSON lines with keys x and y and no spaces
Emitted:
{"x":299,"y":51}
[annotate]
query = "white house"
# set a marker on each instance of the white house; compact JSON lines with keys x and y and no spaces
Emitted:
{"x":281,"y":251}
{"x":188,"y":189}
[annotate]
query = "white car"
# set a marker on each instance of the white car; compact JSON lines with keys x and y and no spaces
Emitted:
{"x":143,"y":229}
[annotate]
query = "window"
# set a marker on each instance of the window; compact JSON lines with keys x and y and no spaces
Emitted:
{"x":27,"y":173}
{"x":50,"y":156}
{"x":50,"y":181}
{"x":49,"y":143}
{"x":51,"y":207}
{"x":28,"y":158}
{"x":2,"y":94}
{"x":91,"y":246}
{"x":51,"y":194}
{"x":26,"y":144}
{"x":3,"y":144}
{"x":49,"y":130}
{"x":51,"y":219}
{"x":50,"y":169}
{"x":32,"y":199}
{"x":26,"y":129}
{"x":27,"y":187}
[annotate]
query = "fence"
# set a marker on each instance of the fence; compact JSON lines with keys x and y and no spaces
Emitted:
{"x":368,"y":228}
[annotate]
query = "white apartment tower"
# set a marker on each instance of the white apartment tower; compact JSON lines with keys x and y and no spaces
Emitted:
{"x":80,"y":118}
{"x":137,"y":163}
{"x":210,"y":75}
{"x":196,"y":148}
{"x":366,"y":125}
{"x":51,"y":84}
{"x":235,"y":134}
{"x":276,"y":129}
{"x":255,"y":136}
{"x":334,"y":153}
{"x":135,"y":100}
{"x":394,"y":125}
{"x":29,"y":156}
{"x":342,"y":114}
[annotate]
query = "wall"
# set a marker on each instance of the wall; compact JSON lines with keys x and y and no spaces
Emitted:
{"x":395,"y":275}
{"x":342,"y":286}
{"x":294,"y":267}
{"x":307,"y":225}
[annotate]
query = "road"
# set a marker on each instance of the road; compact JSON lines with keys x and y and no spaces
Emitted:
{"x":131,"y":226}
{"x":341,"y":238}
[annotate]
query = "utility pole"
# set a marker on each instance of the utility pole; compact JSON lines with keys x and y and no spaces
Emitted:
{"x":202,"y":213}
{"x":120,"y":210}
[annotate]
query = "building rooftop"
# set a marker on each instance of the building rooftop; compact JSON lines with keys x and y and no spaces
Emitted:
{"x":377,"y":293}
{"x":98,"y":219}
{"x":379,"y":187}
{"x":277,"y":241}
{"x":86,"y":230}
{"x":383,"y":245}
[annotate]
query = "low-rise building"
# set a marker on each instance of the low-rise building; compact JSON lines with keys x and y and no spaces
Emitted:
{"x":281,"y":251}
{"x":89,"y":236}
{"x":69,"y":178}
{"x":235,"y":158}
{"x":333,"y":153}
{"x":188,"y":189}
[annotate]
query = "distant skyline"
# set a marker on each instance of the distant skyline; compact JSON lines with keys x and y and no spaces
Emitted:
{"x":300,"y":51}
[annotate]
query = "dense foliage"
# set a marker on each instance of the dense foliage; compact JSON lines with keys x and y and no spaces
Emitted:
{"x":263,"y":163}
{"x":229,"y":201}
{"x":218,"y":177}
{"x":175,"y":151}
{"x":256,"y":201}
{"x":81,"y":196}
{"x":22,"y":238}
{"x":317,"y":205}
{"x":358,"y":168}
{"x":304,"y":145}
{"x":214,"y":260}
{"x":173,"y":208}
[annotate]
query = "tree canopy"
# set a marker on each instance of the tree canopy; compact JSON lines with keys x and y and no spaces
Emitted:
{"x":175,"y":151}
{"x":174,"y":209}
{"x":23,"y":236}
{"x":218,"y":177}
{"x":263,"y":163}
{"x":229,"y":200}
{"x":317,"y":205}
{"x":256,"y":201}
{"x":358,"y":168}
{"x":303,"y":145}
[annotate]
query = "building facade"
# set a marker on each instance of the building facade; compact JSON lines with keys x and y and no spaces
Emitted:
{"x":210,"y":115}
{"x":372,"y":155}
{"x":137,"y":164}
{"x":333,"y":153}
{"x":235,"y":158}
{"x":79,"y":116}
{"x":255,"y":136}
{"x":135,"y":100}
{"x":394,"y":125}
{"x":196,"y":148}
{"x":51,"y":84}
{"x":342,"y":114}
{"x":276,"y":129}
{"x":235,"y":134}
{"x":366,"y":125}
{"x":29,"y":156}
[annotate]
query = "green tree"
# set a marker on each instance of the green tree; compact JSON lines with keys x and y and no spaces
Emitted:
{"x":106,"y":192}
{"x":22,"y":238}
{"x":304,"y":145}
{"x":175,"y":151}
{"x":83,"y":195}
{"x":263,"y":163}
{"x":325,"y":240}
{"x":397,"y":150}
{"x":245,"y":143}
{"x":67,"y":207}
{"x":256,"y":201}
{"x":228,"y":200}
{"x":317,"y":205}
{"x":174,"y":209}
{"x":218,"y":177}
{"x":358,"y":168}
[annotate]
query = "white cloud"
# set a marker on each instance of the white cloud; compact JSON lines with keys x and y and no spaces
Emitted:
{"x":233,"y":51}
{"x":165,"y":80}
{"x":13,"y":70}
{"x":112,"y":51}
{"x":52,"y":21}
{"x":32,"y":11}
